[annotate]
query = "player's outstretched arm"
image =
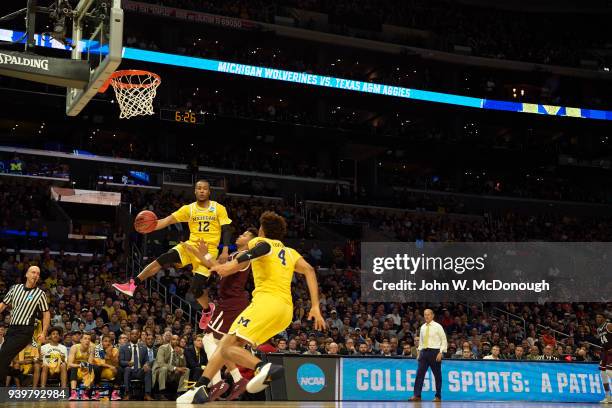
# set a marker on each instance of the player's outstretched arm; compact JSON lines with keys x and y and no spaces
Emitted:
{"x":242,"y":261}
{"x":304,"y":268}
{"x":165,"y":222}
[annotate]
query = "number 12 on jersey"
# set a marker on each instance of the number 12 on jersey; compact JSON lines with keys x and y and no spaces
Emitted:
{"x":203,"y":226}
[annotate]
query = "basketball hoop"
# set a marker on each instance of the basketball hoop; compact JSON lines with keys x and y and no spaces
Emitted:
{"x":135,"y":91}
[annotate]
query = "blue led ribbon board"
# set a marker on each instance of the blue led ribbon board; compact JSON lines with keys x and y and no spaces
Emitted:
{"x":308,"y":79}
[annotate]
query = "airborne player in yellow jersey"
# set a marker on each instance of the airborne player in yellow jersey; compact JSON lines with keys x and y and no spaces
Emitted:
{"x":208,"y":221}
{"x":270,"y":310}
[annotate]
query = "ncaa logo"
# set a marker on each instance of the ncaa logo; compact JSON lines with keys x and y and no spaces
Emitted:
{"x":310,"y":378}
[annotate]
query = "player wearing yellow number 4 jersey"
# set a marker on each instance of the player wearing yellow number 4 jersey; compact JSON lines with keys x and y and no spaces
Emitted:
{"x":208,"y":221}
{"x":270,"y":310}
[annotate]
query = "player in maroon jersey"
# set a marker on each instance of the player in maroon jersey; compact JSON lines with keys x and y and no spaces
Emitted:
{"x":604,"y":332}
{"x":233,"y":299}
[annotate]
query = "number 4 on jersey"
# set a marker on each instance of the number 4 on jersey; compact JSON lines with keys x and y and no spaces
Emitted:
{"x":281,"y":255}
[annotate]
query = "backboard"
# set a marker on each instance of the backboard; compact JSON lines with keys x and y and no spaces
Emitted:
{"x":97,"y":37}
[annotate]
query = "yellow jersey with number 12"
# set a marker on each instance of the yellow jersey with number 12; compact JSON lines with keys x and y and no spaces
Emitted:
{"x":273,"y":272}
{"x":204,"y":223}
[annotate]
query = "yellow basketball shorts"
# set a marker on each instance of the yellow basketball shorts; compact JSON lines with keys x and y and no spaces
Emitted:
{"x":264,"y":318}
{"x":188,"y":259}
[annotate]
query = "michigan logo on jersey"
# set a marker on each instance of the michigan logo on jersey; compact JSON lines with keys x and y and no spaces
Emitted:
{"x":244,"y":322}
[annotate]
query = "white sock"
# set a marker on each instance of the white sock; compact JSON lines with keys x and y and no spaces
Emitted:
{"x":210,"y":346}
{"x":609,"y":375}
{"x":236,"y":375}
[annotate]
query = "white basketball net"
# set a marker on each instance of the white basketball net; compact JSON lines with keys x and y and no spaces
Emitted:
{"x":135,"y":93}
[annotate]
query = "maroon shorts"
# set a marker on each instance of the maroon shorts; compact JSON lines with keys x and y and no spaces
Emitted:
{"x":606,"y":360}
{"x":224,"y":315}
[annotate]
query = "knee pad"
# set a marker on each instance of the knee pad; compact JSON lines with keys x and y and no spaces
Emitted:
{"x":199,"y":283}
{"x":169,"y":258}
{"x":609,"y":374}
{"x":605,"y":374}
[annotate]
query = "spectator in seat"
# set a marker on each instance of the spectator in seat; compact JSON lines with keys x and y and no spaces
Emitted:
{"x":548,"y":339}
{"x":293,"y":347}
{"x":414,"y":350}
{"x":349,"y":347}
{"x":334,"y":321}
{"x":99,"y":311}
{"x":582,"y":354}
{"x":133,"y":360}
{"x":110,"y":310}
{"x":548,"y":354}
{"x":494,"y":354}
{"x":114,"y":324}
{"x":464,"y":346}
{"x":312,"y":349}
{"x":90,"y":322}
{"x":385,"y":350}
{"x":534,"y":353}
{"x":332,"y":349}
{"x":281,"y":345}
{"x":170,"y":365}
{"x":54,"y":359}
{"x":363,"y":350}
{"x":519,"y":353}
{"x":196,"y":358}
{"x":394,"y":343}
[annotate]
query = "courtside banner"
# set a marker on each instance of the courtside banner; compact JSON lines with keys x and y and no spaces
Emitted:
{"x":310,"y":378}
{"x":374,"y":379}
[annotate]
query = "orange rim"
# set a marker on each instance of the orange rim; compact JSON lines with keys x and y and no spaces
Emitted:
{"x":114,"y":79}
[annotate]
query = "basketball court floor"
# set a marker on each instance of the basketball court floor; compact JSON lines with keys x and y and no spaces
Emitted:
{"x":348,"y":404}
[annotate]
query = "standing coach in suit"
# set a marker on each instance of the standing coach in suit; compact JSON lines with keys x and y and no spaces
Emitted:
{"x":133,"y":359}
{"x":432,"y":347}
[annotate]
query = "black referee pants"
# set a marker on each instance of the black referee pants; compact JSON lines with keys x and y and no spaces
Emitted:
{"x":15,"y":340}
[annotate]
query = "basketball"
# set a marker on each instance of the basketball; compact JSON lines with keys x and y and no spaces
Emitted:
{"x":145,"y":222}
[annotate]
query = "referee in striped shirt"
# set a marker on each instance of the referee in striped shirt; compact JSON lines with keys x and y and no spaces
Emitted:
{"x":26,"y":300}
